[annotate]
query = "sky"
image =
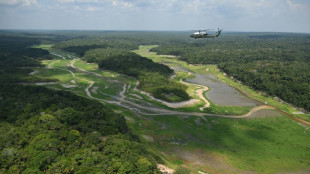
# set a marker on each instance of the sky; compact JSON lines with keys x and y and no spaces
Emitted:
{"x":231,"y":15}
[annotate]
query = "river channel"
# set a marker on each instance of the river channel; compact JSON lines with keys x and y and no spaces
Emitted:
{"x":220,"y":93}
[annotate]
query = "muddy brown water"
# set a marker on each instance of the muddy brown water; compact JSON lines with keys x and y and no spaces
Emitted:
{"x":222,"y":94}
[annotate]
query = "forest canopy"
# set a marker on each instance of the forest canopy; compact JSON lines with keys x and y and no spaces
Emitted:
{"x":277,"y":64}
{"x":48,"y":131}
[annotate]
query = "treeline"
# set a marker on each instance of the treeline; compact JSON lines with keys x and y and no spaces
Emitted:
{"x":13,"y":47}
{"x":125,"y":62}
{"x":81,"y":46}
{"x":153,"y":77}
{"x":45,"y":131}
{"x":81,"y":41}
{"x":278,"y":64}
{"x":16,"y":56}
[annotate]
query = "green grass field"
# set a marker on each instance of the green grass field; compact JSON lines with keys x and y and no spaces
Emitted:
{"x":43,"y":46}
{"x":264,"y":145}
{"x":215,"y":145}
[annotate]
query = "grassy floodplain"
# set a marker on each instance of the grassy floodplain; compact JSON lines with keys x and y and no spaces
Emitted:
{"x":213,"y":69}
{"x":248,"y":145}
{"x":172,"y":61}
{"x":210,"y":144}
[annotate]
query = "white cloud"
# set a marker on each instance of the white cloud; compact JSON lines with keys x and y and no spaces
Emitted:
{"x":77,"y":1}
{"x":195,"y":6}
{"x":162,"y":14}
{"x":171,"y":2}
{"x":122,"y":4}
{"x":9,"y":2}
{"x":19,"y":2}
{"x":294,"y":6}
{"x":29,"y":2}
{"x":92,"y":8}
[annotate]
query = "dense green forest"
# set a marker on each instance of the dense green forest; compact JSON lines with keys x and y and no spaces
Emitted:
{"x":47,"y":131}
{"x":58,"y":132}
{"x":80,"y":46}
{"x":125,"y":62}
{"x":278,"y":64}
{"x":16,"y":55}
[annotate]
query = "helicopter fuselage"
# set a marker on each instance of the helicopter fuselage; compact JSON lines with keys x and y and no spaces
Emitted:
{"x":200,"y":34}
{"x":205,"y":35}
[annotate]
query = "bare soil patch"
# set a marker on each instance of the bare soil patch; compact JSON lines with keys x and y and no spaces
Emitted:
{"x":265,"y":113}
{"x":211,"y":163}
{"x":164,"y":169}
{"x":148,"y":138}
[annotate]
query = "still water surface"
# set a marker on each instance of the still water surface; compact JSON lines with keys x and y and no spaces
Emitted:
{"x":220,"y":93}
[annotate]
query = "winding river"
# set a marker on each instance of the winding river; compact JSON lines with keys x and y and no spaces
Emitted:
{"x":220,"y":93}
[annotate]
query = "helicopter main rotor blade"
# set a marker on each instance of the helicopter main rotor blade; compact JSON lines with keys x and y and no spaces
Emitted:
{"x":208,"y":29}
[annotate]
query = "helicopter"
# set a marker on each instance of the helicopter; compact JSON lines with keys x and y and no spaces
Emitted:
{"x":204,"y":34}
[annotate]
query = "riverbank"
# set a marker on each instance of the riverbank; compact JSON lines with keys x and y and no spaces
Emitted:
{"x":243,"y":144}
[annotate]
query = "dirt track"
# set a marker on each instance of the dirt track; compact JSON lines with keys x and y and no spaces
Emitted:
{"x":255,"y":109}
{"x":262,"y":107}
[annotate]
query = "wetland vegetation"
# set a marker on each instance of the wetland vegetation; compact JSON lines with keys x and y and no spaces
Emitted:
{"x":95,"y":118}
{"x":153,"y":77}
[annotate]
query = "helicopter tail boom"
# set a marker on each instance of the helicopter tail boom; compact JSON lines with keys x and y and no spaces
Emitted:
{"x":218,"y":32}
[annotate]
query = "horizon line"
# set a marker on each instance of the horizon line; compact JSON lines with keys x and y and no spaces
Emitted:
{"x":148,"y":30}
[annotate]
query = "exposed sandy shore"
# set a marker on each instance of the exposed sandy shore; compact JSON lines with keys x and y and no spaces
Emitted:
{"x":164,"y":169}
{"x":199,"y":93}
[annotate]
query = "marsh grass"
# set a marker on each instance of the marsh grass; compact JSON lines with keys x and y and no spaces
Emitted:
{"x":263,"y":145}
